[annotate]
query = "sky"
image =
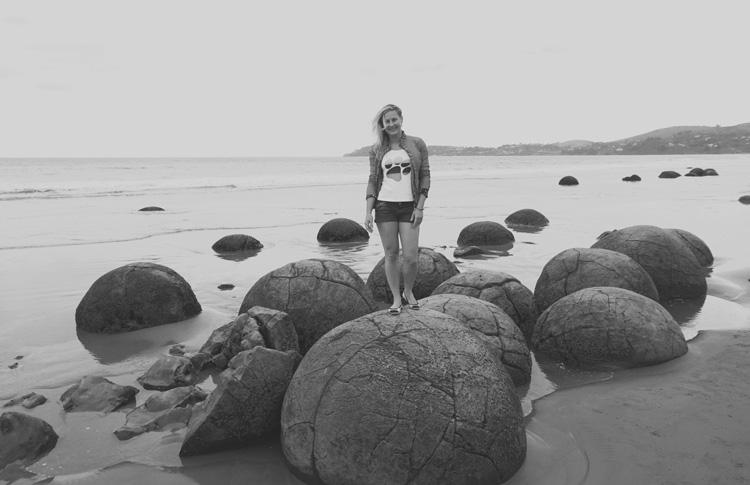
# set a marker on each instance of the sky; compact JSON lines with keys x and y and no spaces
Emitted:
{"x":220,"y":78}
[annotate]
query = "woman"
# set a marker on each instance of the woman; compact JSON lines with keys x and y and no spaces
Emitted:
{"x":397,"y":189}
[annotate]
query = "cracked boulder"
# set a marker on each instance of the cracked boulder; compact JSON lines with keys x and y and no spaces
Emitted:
{"x":432,"y":269}
{"x":170,"y":408}
{"x":485,"y":233}
{"x":499,"y":288}
{"x":168,"y":372}
{"x":135,"y":296}
{"x":697,"y":246}
{"x":246,"y":404}
{"x":243,"y":333}
{"x":526,"y":217}
{"x":492,"y":326}
{"x":24,"y":439}
{"x":608,"y":327}
{"x":95,"y":393}
{"x":317,"y":294}
{"x":342,"y":229}
{"x":276,"y":327}
{"x":577,"y":268}
{"x":412,"y":398}
{"x":671,"y":264}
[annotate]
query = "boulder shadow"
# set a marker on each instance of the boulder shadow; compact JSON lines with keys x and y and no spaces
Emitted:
{"x":526,"y":229}
{"x":684,"y":311}
{"x":238,"y":256}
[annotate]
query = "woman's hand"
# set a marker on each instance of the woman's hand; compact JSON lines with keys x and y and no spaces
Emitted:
{"x":368,"y":222}
{"x":417,"y":217}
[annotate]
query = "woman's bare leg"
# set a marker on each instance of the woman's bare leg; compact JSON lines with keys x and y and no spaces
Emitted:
{"x":389,"y":237}
{"x":410,"y":247}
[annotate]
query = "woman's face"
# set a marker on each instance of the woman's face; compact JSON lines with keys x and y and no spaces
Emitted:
{"x":392,"y":122}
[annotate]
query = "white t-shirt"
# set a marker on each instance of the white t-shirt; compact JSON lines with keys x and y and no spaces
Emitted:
{"x":396,"y":177}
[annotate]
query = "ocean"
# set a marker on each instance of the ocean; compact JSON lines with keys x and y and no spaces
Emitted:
{"x":65,"y":222}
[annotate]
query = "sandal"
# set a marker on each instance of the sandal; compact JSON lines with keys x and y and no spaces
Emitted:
{"x":394,"y":310}
{"x":412,"y":306}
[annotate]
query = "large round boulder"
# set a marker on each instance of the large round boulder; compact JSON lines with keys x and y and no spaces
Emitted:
{"x":317,"y":294}
{"x":697,"y":246}
{"x":342,"y":230}
{"x":568,"y":180}
{"x":577,"y":268}
{"x":669,"y":174}
{"x":527,"y":217}
{"x":485,"y":233}
{"x":665,"y":257}
{"x":492,"y":326}
{"x":432,"y":269}
{"x":236,"y":243}
{"x":136,"y":296}
{"x":498,"y":288}
{"x":413,"y":398}
{"x":605,"y":326}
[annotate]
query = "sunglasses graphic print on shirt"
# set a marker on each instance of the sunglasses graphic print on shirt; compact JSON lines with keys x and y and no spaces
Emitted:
{"x":395,"y":170}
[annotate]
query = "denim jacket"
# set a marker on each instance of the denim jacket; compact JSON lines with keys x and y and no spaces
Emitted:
{"x":420,"y":173}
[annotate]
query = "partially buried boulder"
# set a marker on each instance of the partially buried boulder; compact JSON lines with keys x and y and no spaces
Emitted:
{"x":413,"y":398}
{"x":608,"y":327}
{"x":24,"y":438}
{"x":467,"y":251}
{"x":499,"y":288}
{"x":246,"y":404}
{"x":342,"y":230}
{"x":492,"y":326}
{"x":95,"y":393}
{"x":485,"y":233}
{"x":432,"y":269}
{"x":236,"y":243}
{"x":744,"y":199}
{"x":631,"y":178}
{"x":697,"y":246}
{"x":168,"y":372}
{"x":171,"y":408}
{"x":527,"y":217}
{"x":568,"y":180}
{"x":317,"y":294}
{"x":669,"y":174}
{"x":577,"y":268}
{"x":695,"y":172}
{"x":665,"y":257}
{"x":136,"y":296}
{"x":151,"y":208}
{"x":710,"y":172}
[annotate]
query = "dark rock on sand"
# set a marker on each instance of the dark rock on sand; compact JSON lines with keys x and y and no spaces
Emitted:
{"x":695,"y":172}
{"x":136,"y":296}
{"x":242,"y":333}
{"x":665,"y":257}
{"x":527,"y":217}
{"x":168,"y":372}
{"x":151,"y":208}
{"x":225,"y":286}
{"x":378,"y":400}
{"x":492,"y":326}
{"x":466,"y":251}
{"x":744,"y":199}
{"x":24,"y":438}
{"x":276,"y":327}
{"x":342,"y":230}
{"x":709,"y":172}
{"x":432,"y":269}
{"x":246,"y":404}
{"x":235,"y":243}
{"x":485,"y":233}
{"x":568,"y":180}
{"x":631,"y":178}
{"x":317,"y":294}
{"x":669,"y":174}
{"x":577,"y":268}
{"x":29,"y":401}
{"x":697,"y":246}
{"x":502,"y":289}
{"x":605,"y":326}
{"x":160,"y":410}
{"x":95,"y":393}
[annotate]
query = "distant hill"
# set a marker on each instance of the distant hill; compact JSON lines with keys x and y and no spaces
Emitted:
{"x":665,"y":141}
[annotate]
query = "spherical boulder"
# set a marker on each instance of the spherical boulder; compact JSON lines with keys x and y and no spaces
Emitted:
{"x":413,"y":398}
{"x":577,"y":268}
{"x":498,"y":288}
{"x":700,"y":249}
{"x":135,"y":296}
{"x":492,"y":326}
{"x":485,"y":233}
{"x":695,"y":172}
{"x":317,"y":294}
{"x":744,"y":199}
{"x":710,"y":172}
{"x":669,"y":174}
{"x":606,"y":326}
{"x":631,"y":178}
{"x":236,"y":243}
{"x":665,"y":257}
{"x":568,"y":180}
{"x":526,"y":217}
{"x":342,"y":230}
{"x":432,"y":269}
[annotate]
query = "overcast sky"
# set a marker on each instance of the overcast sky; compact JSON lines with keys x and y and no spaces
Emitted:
{"x":245,"y":78}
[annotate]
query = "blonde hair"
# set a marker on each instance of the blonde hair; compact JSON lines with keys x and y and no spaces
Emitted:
{"x":381,"y":137}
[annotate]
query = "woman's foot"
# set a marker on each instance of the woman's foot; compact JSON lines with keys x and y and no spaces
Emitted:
{"x":394,"y":310}
{"x":410,"y":301}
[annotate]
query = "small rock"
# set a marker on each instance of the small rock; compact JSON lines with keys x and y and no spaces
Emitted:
{"x":669,"y":174}
{"x":13,"y":365}
{"x":95,"y":393}
{"x":568,"y":180}
{"x":29,"y":401}
{"x":160,"y":410}
{"x":276,"y":327}
{"x":178,"y":349}
{"x":24,"y":438}
{"x":631,"y":178}
{"x":465,"y":251}
{"x":168,"y":372}
{"x":199,"y":360}
{"x":745,"y":199}
{"x":242,"y":333}
{"x":19,"y":357}
{"x":151,"y":208}
{"x":225,"y":286}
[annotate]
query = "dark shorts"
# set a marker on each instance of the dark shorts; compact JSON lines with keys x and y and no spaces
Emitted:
{"x":393,"y":211}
